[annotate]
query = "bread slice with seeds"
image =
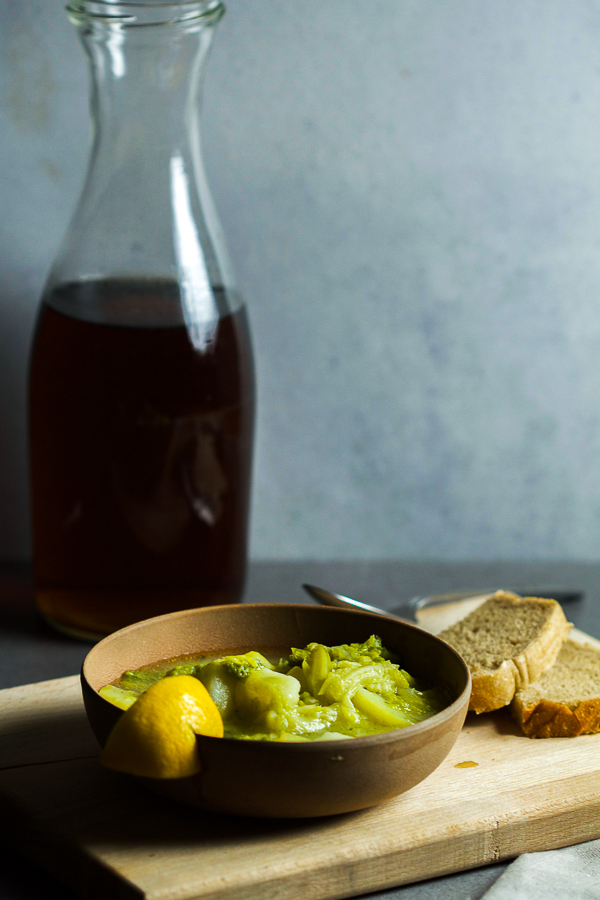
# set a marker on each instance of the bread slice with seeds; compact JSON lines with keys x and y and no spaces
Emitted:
{"x":565,"y":701}
{"x":508,"y":643}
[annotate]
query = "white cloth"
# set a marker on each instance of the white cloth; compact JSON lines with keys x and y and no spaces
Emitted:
{"x":572,"y":873}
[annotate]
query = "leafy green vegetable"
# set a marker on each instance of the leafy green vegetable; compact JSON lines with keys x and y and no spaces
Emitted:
{"x":242,"y":666}
{"x":371,"y":650}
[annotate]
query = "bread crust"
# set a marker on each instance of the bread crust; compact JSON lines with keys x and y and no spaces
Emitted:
{"x":566,"y":701}
{"x":495,"y":688}
{"x":547,"y":719}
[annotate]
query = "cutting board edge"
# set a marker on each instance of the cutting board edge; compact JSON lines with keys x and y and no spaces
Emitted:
{"x":572,"y":818}
{"x":396,"y":868}
{"x":46,"y":849}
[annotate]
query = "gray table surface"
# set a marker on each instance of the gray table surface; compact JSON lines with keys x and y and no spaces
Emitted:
{"x":30,"y":651}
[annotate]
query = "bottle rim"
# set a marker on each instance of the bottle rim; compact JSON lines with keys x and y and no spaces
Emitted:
{"x":130,"y":13}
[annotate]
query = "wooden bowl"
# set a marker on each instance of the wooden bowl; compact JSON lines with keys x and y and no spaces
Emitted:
{"x":264,"y":778}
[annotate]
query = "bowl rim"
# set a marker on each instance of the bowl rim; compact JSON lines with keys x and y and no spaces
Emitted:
{"x":417,"y":728}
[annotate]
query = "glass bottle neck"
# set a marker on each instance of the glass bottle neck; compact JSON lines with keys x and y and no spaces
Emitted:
{"x":145,"y":211}
{"x":145,"y":93}
{"x":147,"y":60}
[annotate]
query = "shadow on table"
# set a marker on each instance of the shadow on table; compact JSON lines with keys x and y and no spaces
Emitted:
{"x":17,"y":607}
{"x":23,"y":880}
{"x":30,"y":650}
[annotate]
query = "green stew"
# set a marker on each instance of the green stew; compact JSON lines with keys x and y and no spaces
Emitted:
{"x":315,"y":693}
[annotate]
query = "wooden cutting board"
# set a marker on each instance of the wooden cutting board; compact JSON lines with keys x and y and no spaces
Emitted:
{"x":498,"y":794}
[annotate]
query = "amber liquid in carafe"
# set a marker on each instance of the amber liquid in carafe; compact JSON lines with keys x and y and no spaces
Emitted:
{"x":140,"y":456}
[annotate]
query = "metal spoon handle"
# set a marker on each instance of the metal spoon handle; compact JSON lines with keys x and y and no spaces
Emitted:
{"x":328,"y":598}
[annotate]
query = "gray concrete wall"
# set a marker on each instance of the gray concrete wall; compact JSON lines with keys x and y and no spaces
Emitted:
{"x":411,"y":194}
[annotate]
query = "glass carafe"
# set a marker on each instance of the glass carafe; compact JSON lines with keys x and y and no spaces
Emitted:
{"x":141,"y":380}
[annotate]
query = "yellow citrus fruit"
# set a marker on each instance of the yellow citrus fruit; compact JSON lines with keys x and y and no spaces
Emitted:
{"x":156,"y":737}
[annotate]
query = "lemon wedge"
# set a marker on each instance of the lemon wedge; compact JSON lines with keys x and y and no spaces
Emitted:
{"x":156,"y":737}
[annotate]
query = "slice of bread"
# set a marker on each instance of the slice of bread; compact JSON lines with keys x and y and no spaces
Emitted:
{"x":565,"y":701}
{"x":508,"y":643}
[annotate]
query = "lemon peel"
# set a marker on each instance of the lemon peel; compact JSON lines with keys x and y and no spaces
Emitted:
{"x":156,"y":737}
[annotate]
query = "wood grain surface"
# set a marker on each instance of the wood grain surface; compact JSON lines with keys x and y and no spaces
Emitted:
{"x":104,"y":836}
